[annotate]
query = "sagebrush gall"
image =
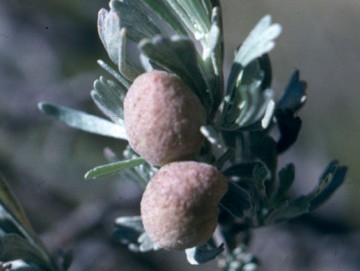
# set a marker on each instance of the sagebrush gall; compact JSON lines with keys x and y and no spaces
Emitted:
{"x":179,"y":205}
{"x":163,"y":118}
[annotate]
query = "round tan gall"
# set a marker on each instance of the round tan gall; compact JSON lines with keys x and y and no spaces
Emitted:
{"x":179,"y":205}
{"x":163,"y":118}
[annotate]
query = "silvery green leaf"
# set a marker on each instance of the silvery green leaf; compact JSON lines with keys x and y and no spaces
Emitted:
{"x":202,"y":254}
{"x":146,"y":244}
{"x":239,"y":260}
{"x":121,"y":79}
{"x":246,"y":102}
{"x":133,"y":222}
{"x":166,"y":13}
{"x":135,"y":18}
{"x":125,"y":66}
{"x":112,"y":168}
{"x":213,"y":136}
{"x":109,"y":97}
{"x":178,"y":55}
{"x":193,"y":15}
{"x":109,"y":32}
{"x":83,"y":121}
{"x":127,"y":231}
{"x":141,"y":173}
{"x":259,"y":41}
{"x":213,"y":38}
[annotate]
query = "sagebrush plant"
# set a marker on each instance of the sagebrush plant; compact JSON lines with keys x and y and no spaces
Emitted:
{"x":198,"y":144}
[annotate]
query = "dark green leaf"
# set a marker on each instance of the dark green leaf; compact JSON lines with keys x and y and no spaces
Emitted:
{"x":242,"y":170}
{"x":202,"y":254}
{"x":83,"y":121}
{"x":295,"y":96}
{"x":330,"y":181}
{"x":289,"y":126}
{"x":264,"y":147}
{"x":13,"y":247}
{"x":10,"y":202}
{"x":112,"y":168}
{"x":286,"y":179}
{"x":236,"y":200}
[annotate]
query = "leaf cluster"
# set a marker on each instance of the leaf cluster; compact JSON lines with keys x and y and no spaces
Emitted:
{"x":186,"y":38}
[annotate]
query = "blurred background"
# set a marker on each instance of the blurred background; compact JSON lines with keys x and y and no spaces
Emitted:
{"x":48,"y":52}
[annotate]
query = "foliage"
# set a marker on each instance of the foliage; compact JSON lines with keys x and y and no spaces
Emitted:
{"x":186,"y":38}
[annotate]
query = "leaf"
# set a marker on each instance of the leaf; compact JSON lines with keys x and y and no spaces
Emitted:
{"x":10,"y":202}
{"x":13,"y":247}
{"x":130,"y":231}
{"x":242,"y":170}
{"x":239,"y":260}
{"x":109,"y":97}
{"x":193,"y":15}
{"x":166,"y":13}
{"x":246,"y":102}
{"x":124,"y":83}
{"x":178,"y":55}
{"x":112,"y":168}
{"x":332,"y":178}
{"x":289,"y":126}
{"x":109,"y":32}
{"x":83,"y":121}
{"x":202,"y":254}
{"x":294,"y":96}
{"x":286,"y":179}
{"x":258,"y":42}
{"x":236,"y":200}
{"x":135,"y":18}
{"x":263,"y":147}
{"x":330,"y":181}
{"x":146,"y":244}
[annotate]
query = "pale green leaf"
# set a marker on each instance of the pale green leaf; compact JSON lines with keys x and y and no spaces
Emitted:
{"x":112,"y":168}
